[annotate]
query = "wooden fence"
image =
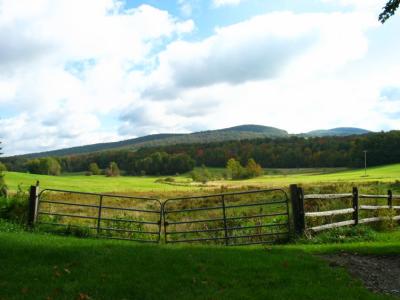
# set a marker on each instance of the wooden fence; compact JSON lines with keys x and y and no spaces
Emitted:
{"x":298,"y":198}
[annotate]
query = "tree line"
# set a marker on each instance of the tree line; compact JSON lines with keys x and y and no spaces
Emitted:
{"x":292,"y":152}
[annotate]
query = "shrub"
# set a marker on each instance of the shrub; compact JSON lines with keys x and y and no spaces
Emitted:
{"x":386,"y":223}
{"x":202,"y":175}
{"x":112,"y":170}
{"x":7,"y":226}
{"x":69,"y":230}
{"x":46,"y":166}
{"x":3,"y":187}
{"x":253,"y":169}
{"x":357,"y":233}
{"x":94,"y":169}
{"x":235,"y":170}
{"x":3,"y":167}
{"x":15,"y":208}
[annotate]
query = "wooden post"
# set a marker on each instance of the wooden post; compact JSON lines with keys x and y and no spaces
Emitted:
{"x":33,"y":205}
{"x":302,"y":214}
{"x":390,"y":199}
{"x":297,"y":200}
{"x":99,"y":215}
{"x":355,"y":205}
{"x":225,"y":224}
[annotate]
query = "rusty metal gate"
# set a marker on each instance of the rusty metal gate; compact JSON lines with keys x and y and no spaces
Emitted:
{"x":240,"y":218}
{"x":102,"y":215}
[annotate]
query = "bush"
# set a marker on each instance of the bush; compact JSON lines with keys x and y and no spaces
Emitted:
{"x":94,"y":169}
{"x":169,"y":179}
{"x":253,"y":169}
{"x":112,"y":170}
{"x":236,"y":171}
{"x":359,"y":233}
{"x":69,"y":230}
{"x":15,"y":208}
{"x":202,"y":175}
{"x":3,"y":187}
{"x":7,"y":226}
{"x":387,"y":223}
{"x":3,"y":167}
{"x":45,"y":166}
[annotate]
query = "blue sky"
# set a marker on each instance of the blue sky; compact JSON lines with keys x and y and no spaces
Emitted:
{"x":79,"y":72}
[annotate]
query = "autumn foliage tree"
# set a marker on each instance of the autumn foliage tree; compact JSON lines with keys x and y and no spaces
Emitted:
{"x":235,"y":170}
{"x":253,"y":169}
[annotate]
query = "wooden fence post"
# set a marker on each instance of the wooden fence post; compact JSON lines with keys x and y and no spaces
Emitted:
{"x":355,"y":205}
{"x":390,"y":199}
{"x":297,"y":200}
{"x":33,"y":205}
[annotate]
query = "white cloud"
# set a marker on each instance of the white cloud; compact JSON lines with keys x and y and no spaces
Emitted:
{"x":70,"y":62}
{"x":185,"y":7}
{"x":365,"y":5}
{"x":263,"y":47}
{"x":80,"y":72}
{"x":219,"y":3}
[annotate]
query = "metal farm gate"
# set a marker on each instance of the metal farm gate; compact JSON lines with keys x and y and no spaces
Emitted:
{"x":240,"y":218}
{"x":102,"y":215}
{"x":237,"y":218}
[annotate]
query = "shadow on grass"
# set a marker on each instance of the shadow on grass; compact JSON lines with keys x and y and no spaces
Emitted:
{"x":37,"y":266}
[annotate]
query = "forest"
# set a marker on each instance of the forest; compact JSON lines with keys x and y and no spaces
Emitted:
{"x":292,"y":152}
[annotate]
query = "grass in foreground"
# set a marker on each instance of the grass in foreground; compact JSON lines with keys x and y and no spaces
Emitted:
{"x":37,"y":266}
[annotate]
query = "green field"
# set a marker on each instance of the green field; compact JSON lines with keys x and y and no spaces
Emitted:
{"x":388,"y":173}
{"x":125,"y":184}
{"x":38,"y":266}
{"x":122,"y":184}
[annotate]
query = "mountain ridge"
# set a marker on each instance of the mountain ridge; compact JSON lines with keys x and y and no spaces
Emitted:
{"x":240,"y":132}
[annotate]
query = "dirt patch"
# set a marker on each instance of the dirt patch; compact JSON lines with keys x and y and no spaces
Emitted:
{"x":379,"y":273}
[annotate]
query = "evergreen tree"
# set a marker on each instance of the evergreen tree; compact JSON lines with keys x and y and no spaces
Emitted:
{"x":388,"y":10}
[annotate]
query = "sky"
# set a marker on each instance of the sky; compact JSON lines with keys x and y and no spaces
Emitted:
{"x":78,"y":72}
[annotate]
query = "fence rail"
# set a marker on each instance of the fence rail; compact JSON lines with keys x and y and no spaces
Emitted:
{"x":300,"y":215}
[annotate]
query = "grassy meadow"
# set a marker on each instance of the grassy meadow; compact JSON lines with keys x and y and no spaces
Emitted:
{"x":182,"y":184}
{"x":35,"y":265}
{"x":99,"y":183}
{"x":38,"y":266}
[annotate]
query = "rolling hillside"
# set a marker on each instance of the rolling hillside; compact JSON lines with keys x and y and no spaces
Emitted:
{"x":242,"y":132}
{"x":340,"y":131}
{"x":227,"y":134}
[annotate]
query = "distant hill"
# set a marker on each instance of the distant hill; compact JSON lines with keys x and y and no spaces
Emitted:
{"x":242,"y":132}
{"x":340,"y":131}
{"x":233,"y":133}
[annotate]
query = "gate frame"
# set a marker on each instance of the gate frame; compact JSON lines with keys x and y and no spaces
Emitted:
{"x":34,"y":212}
{"x":223,"y":206}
